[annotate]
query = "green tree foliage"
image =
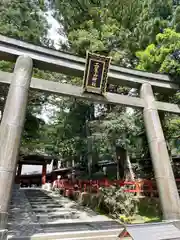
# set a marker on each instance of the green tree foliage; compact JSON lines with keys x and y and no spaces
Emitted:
{"x":25,"y":20}
{"x":164,"y":56}
{"x":101,"y":26}
{"x":176,"y":18}
{"x":119,"y":29}
{"x":119,"y":129}
{"x":116,"y":28}
{"x":66,"y":136}
{"x":116,"y":202}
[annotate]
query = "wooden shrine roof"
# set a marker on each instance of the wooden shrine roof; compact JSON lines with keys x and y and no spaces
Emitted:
{"x":35,"y":159}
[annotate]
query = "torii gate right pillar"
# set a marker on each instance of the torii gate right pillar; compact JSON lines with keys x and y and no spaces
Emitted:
{"x":164,"y":175}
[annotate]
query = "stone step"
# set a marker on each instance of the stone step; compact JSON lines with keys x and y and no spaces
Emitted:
{"x":39,"y":199}
{"x":98,"y":237}
{"x":43,"y":203}
{"x":38,"y":196}
{"x":74,"y":226}
{"x":82,"y":235}
{"x":34,"y":200}
{"x":56,"y":213}
{"x":46,"y":205}
{"x":44,"y":209}
{"x":60,"y":217}
{"x":53,"y":214}
{"x":79,"y":224}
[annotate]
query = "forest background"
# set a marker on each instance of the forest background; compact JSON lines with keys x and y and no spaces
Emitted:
{"x":137,"y":34}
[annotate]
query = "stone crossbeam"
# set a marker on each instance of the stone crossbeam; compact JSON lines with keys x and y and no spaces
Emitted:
{"x":77,"y":92}
{"x":52,"y":60}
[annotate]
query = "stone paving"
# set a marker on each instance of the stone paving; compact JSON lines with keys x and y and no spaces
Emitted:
{"x":22,"y":220}
{"x":34,"y":211}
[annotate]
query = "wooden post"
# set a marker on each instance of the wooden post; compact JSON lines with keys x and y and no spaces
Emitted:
{"x":164,"y":176}
{"x":89,"y":149}
{"x":121,"y":160}
{"x":11,"y":129}
{"x":44,"y":174}
{"x":19,"y":170}
{"x":89,"y":156}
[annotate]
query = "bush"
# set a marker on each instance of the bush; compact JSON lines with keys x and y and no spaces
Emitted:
{"x":118,"y":203}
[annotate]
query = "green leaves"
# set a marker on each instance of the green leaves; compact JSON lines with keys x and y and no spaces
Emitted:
{"x":164,"y":56}
{"x":160,"y":57}
{"x":23,"y":20}
{"x":118,"y":202}
{"x":129,"y":31}
{"x":66,"y":135}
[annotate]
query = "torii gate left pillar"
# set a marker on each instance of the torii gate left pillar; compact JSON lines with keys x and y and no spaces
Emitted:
{"x":10,"y":133}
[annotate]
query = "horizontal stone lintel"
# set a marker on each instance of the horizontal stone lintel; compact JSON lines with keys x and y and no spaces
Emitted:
{"x":77,"y":92}
{"x":66,"y":63}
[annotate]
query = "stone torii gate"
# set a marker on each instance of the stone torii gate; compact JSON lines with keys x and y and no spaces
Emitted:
{"x":28,"y":55}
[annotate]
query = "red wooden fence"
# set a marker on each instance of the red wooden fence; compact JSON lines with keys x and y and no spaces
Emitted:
{"x":138,"y":187}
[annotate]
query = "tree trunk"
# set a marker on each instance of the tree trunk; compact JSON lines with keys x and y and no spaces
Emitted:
{"x":89,"y":144}
{"x":117,"y":159}
{"x":118,"y":170}
{"x":89,"y":149}
{"x":124,"y":166}
{"x":129,"y":170}
{"x":121,"y":159}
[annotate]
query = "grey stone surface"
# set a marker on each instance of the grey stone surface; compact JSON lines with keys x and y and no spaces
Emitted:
{"x":168,"y":193}
{"x":22,"y":220}
{"x":12,"y":124}
{"x":48,"y":59}
{"x":35,"y":211}
{"x":3,"y":234}
{"x":76,"y":91}
{"x":50,"y":207}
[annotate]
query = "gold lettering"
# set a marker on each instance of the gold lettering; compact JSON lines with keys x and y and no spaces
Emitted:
{"x":95,"y":75}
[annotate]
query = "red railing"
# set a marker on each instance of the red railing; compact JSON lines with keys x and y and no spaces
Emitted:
{"x":138,"y":187}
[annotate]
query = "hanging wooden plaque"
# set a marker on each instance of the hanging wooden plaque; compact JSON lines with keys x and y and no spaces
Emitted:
{"x":96,"y":73}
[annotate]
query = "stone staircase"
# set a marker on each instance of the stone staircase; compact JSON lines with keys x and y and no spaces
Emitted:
{"x":38,"y":214}
{"x":22,"y":220}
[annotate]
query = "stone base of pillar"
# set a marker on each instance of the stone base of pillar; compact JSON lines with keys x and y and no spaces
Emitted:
{"x":3,"y":220}
{"x":16,"y":186}
{"x":3,"y":234}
